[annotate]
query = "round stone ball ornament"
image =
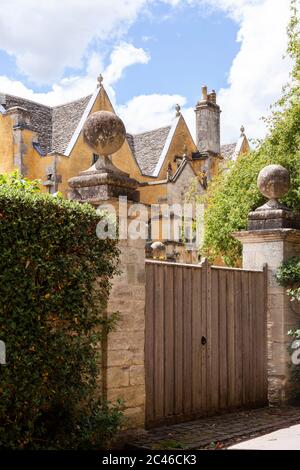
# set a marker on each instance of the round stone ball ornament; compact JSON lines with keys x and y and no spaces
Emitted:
{"x":104,"y":132}
{"x":273,"y":182}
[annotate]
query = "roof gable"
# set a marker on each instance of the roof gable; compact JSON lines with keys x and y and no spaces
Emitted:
{"x":55,"y":126}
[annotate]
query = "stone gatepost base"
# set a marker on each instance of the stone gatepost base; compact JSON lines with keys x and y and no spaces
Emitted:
{"x":272,"y":247}
{"x":125,"y":363}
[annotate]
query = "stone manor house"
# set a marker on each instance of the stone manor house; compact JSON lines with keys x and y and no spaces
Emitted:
{"x":46,"y":143}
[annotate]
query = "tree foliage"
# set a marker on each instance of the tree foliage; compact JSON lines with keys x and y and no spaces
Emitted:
{"x":233,"y":194}
{"x":54,"y":282}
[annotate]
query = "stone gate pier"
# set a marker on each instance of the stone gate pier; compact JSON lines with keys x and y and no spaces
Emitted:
{"x":123,"y":354}
{"x":272,"y":237}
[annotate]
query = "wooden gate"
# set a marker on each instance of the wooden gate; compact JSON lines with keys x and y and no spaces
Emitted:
{"x":205,"y":340}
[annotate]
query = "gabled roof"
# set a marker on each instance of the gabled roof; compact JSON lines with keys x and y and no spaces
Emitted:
{"x":228,"y":151}
{"x":55,"y":126}
{"x":147,"y":148}
{"x":58,"y":129}
{"x":232,"y":151}
{"x":65,"y":119}
{"x":185,"y":162}
{"x":150,"y":148}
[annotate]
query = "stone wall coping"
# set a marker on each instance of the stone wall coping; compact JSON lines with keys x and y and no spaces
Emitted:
{"x":263,"y":236}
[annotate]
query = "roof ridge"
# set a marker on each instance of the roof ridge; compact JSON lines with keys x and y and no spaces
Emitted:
{"x":45,"y":105}
{"x":25,"y":99}
{"x":72,"y":101}
{"x":233,"y":143}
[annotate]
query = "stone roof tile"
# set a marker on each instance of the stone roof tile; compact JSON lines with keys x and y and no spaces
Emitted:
{"x":147,"y":148}
{"x":227,"y":151}
{"x":65,"y":119}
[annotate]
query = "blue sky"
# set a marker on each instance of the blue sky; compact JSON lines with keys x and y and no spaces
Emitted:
{"x":187,"y":50}
{"x":152,"y":53}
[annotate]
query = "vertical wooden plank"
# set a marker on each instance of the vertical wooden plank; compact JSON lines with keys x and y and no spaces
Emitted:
{"x":187,"y":340}
{"x":159,"y":359}
{"x":215,"y":345}
{"x":223,"y":340}
{"x":254,"y":296}
{"x":261,"y":340}
{"x":149,"y":346}
{"x":251,"y":364}
{"x":245,"y":335}
{"x":169,"y":341}
{"x":230,"y":339}
{"x":265,"y":333}
{"x":261,"y":311}
{"x":209,"y":340}
{"x":196,"y":339}
{"x":238,"y":338}
{"x":203,"y":335}
{"x":178,"y":315}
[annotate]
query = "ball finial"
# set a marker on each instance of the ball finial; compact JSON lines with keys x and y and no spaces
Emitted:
{"x":104,"y":132}
{"x":273,"y":182}
{"x":99,"y":80}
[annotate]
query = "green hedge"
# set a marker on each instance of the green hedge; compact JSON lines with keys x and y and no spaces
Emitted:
{"x":54,"y":281}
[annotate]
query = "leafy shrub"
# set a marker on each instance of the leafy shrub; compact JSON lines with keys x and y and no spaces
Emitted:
{"x":288,"y":273}
{"x":295,"y":368}
{"x":54,"y":282}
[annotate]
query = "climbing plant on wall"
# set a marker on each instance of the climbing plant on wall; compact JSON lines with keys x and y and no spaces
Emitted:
{"x":233,"y":194}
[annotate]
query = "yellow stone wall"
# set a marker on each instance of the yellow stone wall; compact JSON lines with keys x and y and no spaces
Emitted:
{"x":6,"y":144}
{"x":34,"y":163}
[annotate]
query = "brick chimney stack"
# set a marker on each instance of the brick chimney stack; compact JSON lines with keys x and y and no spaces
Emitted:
{"x":208,"y":123}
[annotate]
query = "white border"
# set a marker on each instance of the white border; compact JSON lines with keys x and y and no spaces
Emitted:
{"x":166,"y":148}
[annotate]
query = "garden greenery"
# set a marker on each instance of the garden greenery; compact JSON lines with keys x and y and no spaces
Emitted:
{"x":295,"y":368}
{"x":54,"y":282}
{"x":288,"y":275}
{"x":233,"y":194}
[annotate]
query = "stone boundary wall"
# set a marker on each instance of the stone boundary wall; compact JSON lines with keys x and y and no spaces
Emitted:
{"x":124,"y":367}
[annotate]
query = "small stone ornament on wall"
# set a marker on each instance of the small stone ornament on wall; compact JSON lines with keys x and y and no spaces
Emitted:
{"x":2,"y":352}
{"x":158,"y":250}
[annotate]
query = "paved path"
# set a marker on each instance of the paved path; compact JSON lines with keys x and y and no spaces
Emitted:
{"x":214,"y":431}
{"x":284,"y":439}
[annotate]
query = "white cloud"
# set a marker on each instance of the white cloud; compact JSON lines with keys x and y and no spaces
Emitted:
{"x":258,"y":72}
{"x":255,"y":79}
{"x":57,"y":34}
{"x":146,"y":112}
{"x":123,"y":55}
{"x":45,"y":37}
